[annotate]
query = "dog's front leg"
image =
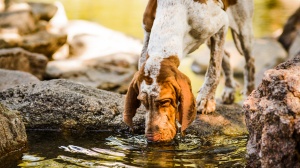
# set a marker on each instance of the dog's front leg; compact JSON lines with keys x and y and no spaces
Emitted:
{"x":206,"y":97}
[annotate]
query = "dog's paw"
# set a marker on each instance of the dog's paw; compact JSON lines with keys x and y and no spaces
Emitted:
{"x":228,"y":95}
{"x":206,"y":106}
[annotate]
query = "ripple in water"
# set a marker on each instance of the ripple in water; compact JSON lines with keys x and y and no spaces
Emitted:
{"x":101,"y":149}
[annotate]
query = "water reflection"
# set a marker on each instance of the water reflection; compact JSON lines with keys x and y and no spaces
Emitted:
{"x":101,"y":149}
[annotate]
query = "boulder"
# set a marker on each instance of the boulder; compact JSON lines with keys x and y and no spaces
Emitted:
{"x":9,"y":78}
{"x":62,"y":104}
{"x":273,"y":118}
{"x":22,"y":20}
{"x":13,"y":136}
{"x":43,"y":11}
{"x":58,"y":104}
{"x":89,"y":40}
{"x":267,"y":53}
{"x":43,"y":42}
{"x":111,"y":72}
{"x":22,"y":60}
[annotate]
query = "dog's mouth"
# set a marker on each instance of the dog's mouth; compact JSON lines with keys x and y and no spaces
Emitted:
{"x":158,"y":138}
{"x":153,"y":137}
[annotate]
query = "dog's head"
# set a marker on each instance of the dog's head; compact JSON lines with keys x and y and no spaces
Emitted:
{"x":166,"y":94}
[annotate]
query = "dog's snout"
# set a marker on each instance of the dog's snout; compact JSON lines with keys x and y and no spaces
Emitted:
{"x":153,"y":137}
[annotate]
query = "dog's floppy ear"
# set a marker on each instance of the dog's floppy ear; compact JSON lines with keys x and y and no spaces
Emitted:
{"x":187,"y":109}
{"x":131,"y":101}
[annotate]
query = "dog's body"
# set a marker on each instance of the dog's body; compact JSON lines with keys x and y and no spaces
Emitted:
{"x":174,"y":28}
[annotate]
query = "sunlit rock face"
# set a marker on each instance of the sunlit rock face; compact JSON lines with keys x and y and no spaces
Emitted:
{"x":273,"y":120}
{"x":12,"y":132}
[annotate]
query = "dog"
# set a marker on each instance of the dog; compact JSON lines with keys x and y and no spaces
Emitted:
{"x":174,"y":28}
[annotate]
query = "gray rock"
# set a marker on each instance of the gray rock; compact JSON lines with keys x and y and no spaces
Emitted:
{"x":61,"y":104}
{"x":9,"y":79}
{"x":22,"y":60}
{"x":273,"y":120}
{"x":22,"y":20}
{"x":12,"y":132}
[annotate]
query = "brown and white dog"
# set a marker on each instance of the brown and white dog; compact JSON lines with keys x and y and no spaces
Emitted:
{"x":174,"y":28}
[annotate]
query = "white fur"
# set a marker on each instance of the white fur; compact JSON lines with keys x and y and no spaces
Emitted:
{"x":170,"y":34}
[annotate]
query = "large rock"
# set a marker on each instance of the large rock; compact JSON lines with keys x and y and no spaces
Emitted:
{"x":9,"y":79}
{"x":267,"y":53}
{"x":22,"y":60}
{"x":61,"y":104}
{"x":22,"y":20}
{"x":273,"y":118}
{"x":111,"y":72}
{"x":12,"y":132}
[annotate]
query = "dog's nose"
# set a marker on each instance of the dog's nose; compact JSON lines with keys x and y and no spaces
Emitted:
{"x":153,"y":137}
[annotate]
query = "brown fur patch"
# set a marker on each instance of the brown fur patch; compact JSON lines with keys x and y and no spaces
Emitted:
{"x":228,"y":3}
{"x":182,"y":87}
{"x":201,"y":1}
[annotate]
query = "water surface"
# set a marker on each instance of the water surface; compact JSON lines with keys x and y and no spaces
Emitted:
{"x":104,"y":149}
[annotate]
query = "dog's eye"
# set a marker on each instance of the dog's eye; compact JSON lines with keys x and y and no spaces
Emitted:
{"x":165,"y":102}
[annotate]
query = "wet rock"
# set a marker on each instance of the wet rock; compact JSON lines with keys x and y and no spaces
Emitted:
{"x":111,"y":72}
{"x":62,"y":104}
{"x":12,"y":132}
{"x":266,"y":51}
{"x":9,"y":79}
{"x":22,"y":60}
{"x":22,"y":20}
{"x":273,"y":120}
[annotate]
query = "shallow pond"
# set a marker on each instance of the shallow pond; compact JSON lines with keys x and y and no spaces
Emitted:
{"x":104,"y":149}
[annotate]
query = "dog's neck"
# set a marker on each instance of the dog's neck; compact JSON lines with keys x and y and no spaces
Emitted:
{"x":168,"y":30}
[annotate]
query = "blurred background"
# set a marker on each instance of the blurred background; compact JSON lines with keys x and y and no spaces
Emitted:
{"x":126,"y":15}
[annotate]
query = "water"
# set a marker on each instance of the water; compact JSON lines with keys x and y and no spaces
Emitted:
{"x":104,"y":149}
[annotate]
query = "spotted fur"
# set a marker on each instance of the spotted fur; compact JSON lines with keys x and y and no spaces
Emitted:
{"x":174,"y":28}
